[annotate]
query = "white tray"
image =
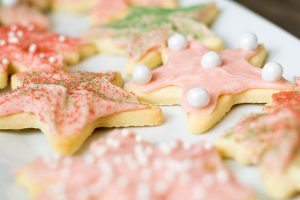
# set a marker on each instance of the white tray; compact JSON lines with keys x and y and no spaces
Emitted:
{"x":19,"y":147}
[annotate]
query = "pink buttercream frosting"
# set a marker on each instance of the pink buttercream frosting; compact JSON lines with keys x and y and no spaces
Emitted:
{"x":67,"y":102}
{"x":183,"y":69}
{"x":29,"y":48}
{"x":123,"y":166}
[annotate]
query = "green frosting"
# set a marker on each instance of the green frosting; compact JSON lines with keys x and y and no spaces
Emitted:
{"x":144,"y":19}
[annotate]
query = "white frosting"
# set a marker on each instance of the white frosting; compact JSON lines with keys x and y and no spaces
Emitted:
{"x":177,"y":42}
{"x":211,"y":59}
{"x":272,"y":71}
{"x":141,"y":74}
{"x":198,"y":97}
{"x":248,"y":41}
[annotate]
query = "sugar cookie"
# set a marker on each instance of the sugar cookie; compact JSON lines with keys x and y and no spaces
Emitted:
{"x":67,"y":107}
{"x":207,"y":84}
{"x":145,"y":32}
{"x":23,"y":14}
{"x":26,"y":48}
{"x":123,"y":166}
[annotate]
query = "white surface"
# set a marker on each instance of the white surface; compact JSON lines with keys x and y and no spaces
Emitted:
{"x":17,"y":148}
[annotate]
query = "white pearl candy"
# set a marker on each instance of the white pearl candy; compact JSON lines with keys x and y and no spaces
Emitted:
{"x":272,"y":71}
{"x":211,"y":59}
{"x":177,"y":42}
{"x":141,"y":74}
{"x":248,"y":41}
{"x":198,"y":97}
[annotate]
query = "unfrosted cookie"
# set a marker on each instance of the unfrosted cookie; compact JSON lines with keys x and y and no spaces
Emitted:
{"x":207,"y":84}
{"x":107,"y":11}
{"x":123,"y":166}
{"x":67,"y":107}
{"x":272,"y":141}
{"x":23,"y":14}
{"x":26,"y":48}
{"x":144,"y":33}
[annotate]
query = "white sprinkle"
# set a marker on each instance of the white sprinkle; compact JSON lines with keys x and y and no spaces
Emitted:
{"x":32,"y":48}
{"x":52,"y":59}
{"x":101,"y":150}
{"x":2,"y":42}
{"x":160,"y":187}
{"x":140,"y":154}
{"x":186,"y":164}
{"x":20,"y":34}
{"x":122,"y":182}
{"x":11,"y":34}
{"x":62,"y":38}
{"x":138,"y":138}
{"x":143,"y":192}
{"x":125,"y":133}
{"x":207,"y":180}
{"x":13,"y":40}
{"x":5,"y":61}
{"x":113,"y":142}
{"x":208,"y":146}
{"x":222,"y":176}
{"x":165,"y":148}
{"x":89,"y":159}
{"x":145,"y":174}
{"x":67,"y":161}
{"x":199,"y":192}
{"x":42,"y":55}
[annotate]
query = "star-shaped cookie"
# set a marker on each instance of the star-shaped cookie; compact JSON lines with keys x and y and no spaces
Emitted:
{"x":107,"y":11}
{"x":67,"y":107}
{"x":270,"y":140}
{"x":25,"y":48}
{"x":123,"y":166}
{"x":23,"y":14}
{"x":143,"y":34}
{"x":207,"y":84}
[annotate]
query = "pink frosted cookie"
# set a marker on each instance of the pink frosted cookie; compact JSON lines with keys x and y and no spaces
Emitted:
{"x":67,"y":107}
{"x":272,"y":141}
{"x":123,"y":166}
{"x":206,"y":83}
{"x":143,"y":34}
{"x":107,"y":11}
{"x":28,"y":48}
{"x":23,"y":14}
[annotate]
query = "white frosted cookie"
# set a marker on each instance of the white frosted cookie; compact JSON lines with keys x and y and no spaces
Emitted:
{"x":67,"y":107}
{"x":206,"y":83}
{"x":124,"y":166}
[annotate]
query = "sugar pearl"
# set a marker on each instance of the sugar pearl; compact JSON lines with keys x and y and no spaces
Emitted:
{"x":272,"y":71}
{"x":177,"y":42}
{"x":211,"y":59}
{"x":248,"y":41}
{"x":32,"y":48}
{"x":52,"y":59}
{"x":141,"y":74}
{"x":198,"y":97}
